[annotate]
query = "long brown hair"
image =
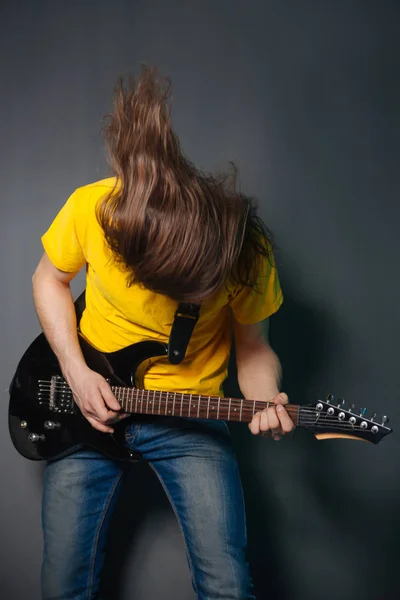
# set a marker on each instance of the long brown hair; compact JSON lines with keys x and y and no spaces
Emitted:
{"x":177,"y":230}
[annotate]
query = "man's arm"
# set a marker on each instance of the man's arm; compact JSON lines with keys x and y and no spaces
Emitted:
{"x":259,"y":376}
{"x":56,"y":312}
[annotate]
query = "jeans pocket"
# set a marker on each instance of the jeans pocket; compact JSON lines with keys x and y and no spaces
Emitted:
{"x":131,"y":435}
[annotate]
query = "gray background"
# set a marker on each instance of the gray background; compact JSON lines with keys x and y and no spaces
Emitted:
{"x":305,"y":97}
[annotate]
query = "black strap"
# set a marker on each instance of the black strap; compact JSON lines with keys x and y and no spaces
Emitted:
{"x":80,"y":304}
{"x":185,"y":319}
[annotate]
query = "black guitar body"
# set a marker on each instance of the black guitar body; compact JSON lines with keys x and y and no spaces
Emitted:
{"x":44,"y":421}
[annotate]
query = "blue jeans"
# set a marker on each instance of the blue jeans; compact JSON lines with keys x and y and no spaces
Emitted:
{"x":196,"y":465}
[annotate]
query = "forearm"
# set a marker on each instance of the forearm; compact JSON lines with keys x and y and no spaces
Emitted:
{"x":56,"y":312}
{"x":259,"y":371}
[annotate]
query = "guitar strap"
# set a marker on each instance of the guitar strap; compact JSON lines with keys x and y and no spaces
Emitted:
{"x":80,"y":304}
{"x":186,"y":317}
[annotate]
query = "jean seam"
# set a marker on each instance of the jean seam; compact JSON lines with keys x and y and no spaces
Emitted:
{"x":131,"y":437}
{"x":249,"y":582}
{"x":179,"y":525}
{"x":96,"y":539}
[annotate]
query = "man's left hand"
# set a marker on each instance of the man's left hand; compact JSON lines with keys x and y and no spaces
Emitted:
{"x":274,"y":420}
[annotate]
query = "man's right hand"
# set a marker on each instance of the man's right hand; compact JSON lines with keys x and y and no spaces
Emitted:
{"x":95,"y":399}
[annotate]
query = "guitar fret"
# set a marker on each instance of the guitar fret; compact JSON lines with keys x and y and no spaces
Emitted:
{"x":225,"y":408}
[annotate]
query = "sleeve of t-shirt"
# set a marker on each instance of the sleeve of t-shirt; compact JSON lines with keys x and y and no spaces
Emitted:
{"x":251,"y":305}
{"x":63,"y":241}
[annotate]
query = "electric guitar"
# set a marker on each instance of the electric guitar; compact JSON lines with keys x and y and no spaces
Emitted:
{"x":45,"y":423}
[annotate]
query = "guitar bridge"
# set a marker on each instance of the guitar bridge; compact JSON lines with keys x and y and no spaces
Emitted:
{"x":61,"y":399}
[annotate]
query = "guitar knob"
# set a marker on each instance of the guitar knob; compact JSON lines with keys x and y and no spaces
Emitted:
{"x":35,"y":437}
{"x":51,"y":424}
{"x":385,"y":419}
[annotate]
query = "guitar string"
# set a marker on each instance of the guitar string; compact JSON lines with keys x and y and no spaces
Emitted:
{"x":194,"y":396}
{"x":303,"y":409}
{"x":63,"y":387}
{"x":234,"y":401}
{"x":305,"y":416}
{"x":328,"y":421}
{"x":320,"y":420}
{"x":245,"y":410}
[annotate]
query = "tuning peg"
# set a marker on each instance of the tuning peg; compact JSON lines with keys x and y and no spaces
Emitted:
{"x":362,"y":411}
{"x":385,"y":419}
{"x":330,"y":398}
{"x":372,"y":417}
{"x":341,"y":402}
{"x":352,"y":407}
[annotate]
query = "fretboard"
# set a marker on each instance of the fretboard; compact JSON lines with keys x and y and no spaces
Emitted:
{"x":150,"y":402}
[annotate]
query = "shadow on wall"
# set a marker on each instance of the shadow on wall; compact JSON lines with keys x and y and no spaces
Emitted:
{"x":300,"y":335}
{"x":142,"y":504}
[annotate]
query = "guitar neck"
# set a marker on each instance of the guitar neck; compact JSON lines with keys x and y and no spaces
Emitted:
{"x":151,"y":402}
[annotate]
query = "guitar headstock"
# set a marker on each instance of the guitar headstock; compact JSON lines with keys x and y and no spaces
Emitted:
{"x":332,"y":418}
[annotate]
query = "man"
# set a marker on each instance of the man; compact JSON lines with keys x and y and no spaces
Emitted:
{"x":157,"y":233}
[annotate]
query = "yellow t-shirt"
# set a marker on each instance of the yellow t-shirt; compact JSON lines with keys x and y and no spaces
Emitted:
{"x":117,"y":315}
